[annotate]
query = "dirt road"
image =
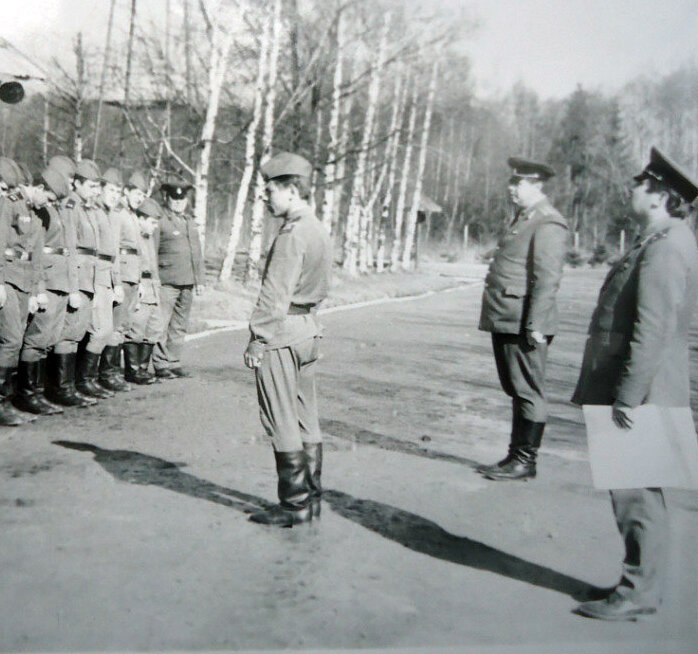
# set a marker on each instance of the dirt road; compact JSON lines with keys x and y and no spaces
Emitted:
{"x":124,"y":526}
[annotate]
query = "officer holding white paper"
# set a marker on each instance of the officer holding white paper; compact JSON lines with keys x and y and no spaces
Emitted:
{"x":637,"y":354}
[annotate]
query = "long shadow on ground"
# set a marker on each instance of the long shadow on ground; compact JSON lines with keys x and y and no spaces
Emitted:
{"x":136,"y":468}
{"x":407,"y":529}
{"x":426,"y":537}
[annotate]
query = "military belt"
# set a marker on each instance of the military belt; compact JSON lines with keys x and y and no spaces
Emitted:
{"x":301,"y":309}
{"x":106,"y":257}
{"x":146,"y":274}
{"x":128,"y":251}
{"x":89,"y":251}
{"x":12,"y":254}
{"x":50,"y":250}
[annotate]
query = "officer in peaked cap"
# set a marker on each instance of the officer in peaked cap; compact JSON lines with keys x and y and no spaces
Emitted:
{"x":637,"y":354}
{"x":519,"y":309}
{"x":285,"y":337}
{"x":181,"y":270}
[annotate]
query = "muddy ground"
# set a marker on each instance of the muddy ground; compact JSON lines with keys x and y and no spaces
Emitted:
{"x":124,"y":526}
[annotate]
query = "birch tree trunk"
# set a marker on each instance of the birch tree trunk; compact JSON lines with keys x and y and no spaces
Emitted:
{"x":404,"y":179}
{"x":45,"y":130}
{"x":340,"y":171}
{"x":103,"y":79}
{"x":218,"y":63}
{"x":257,"y":226}
{"x":316,"y":156}
{"x":250,"y":144}
{"x":127,"y":76}
{"x":79,"y":98}
{"x":354,"y":215}
{"x":328,"y":201}
{"x":416,"y":197}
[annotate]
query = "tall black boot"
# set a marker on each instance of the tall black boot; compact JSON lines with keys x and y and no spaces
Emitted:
{"x":523,"y":463}
{"x":87,"y":376}
{"x":29,"y":396}
{"x":12,"y":388}
{"x":313,"y":455}
{"x":41,"y":387}
{"x":294,"y":493}
{"x":145,"y":354}
{"x":514,"y":443}
{"x":9,"y":416}
{"x":132,"y":364}
{"x":62,"y":375}
{"x":110,"y":369}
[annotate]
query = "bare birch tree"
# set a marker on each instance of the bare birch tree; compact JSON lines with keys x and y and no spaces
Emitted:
{"x":257,"y":225}
{"x":416,"y":197}
{"x":250,"y":144}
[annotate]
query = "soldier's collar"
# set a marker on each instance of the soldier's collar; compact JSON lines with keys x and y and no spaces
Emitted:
{"x":526,"y":213}
{"x":297,"y":214}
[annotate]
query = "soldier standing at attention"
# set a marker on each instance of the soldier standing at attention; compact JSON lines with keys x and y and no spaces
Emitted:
{"x":111,"y":374}
{"x":637,"y":353}
{"x":181,"y":269}
{"x":284,"y":340}
{"x":87,"y":185}
{"x":21,"y":244}
{"x":145,"y":325}
{"x":60,"y":279}
{"x":520,"y":309}
{"x":106,"y":283}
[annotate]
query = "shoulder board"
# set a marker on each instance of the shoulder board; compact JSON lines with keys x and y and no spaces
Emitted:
{"x":663,"y":233}
{"x":288,"y":227}
{"x":12,"y":197}
{"x":70,"y":204}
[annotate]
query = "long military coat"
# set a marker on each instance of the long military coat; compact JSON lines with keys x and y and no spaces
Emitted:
{"x":637,"y":350}
{"x":525,"y":274}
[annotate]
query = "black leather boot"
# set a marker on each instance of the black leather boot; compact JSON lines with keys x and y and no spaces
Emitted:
{"x":29,"y":396}
{"x":145,"y":354}
{"x":294,"y":493}
{"x":41,"y":386}
{"x":62,"y":390}
{"x":87,"y":376}
{"x":313,"y":455}
{"x":110,"y":369}
{"x":132,"y":364}
{"x":9,"y":416}
{"x":514,"y":443}
{"x":12,"y":388}
{"x":523,"y":463}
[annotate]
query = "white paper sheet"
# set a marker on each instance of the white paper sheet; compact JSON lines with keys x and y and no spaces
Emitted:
{"x":660,"y":450}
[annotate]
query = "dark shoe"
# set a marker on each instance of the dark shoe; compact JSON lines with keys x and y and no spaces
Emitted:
{"x":294,"y":493}
{"x":493,"y":467}
{"x":110,"y":369}
{"x":9,"y":416}
{"x":522,"y":463}
{"x":29,"y":396}
{"x":87,"y":376}
{"x":11,"y":393}
{"x":165,"y":373}
{"x":313,"y":455}
{"x":614,"y":608}
{"x":132,"y":365}
{"x":145,"y":354}
{"x":62,"y":390}
{"x":515,"y":441}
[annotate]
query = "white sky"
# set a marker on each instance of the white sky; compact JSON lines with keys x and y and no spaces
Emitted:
{"x":551,"y":45}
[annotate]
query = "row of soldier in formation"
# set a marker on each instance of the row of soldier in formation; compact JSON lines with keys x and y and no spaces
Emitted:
{"x":90,"y":268}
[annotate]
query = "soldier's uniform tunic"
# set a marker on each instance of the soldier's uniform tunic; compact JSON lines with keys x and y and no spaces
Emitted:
{"x":105,"y":280}
{"x":296,"y":280}
{"x":637,"y":353}
{"x":520,"y":294}
{"x":126,"y":222}
{"x":21,"y":243}
{"x":145,"y":324}
{"x":60,"y":278}
{"x":77,"y":320}
{"x":180,"y":267}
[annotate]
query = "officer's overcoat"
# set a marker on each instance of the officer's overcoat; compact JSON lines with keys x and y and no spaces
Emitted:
{"x":637,"y":349}
{"x":180,"y":260}
{"x":524,"y":276}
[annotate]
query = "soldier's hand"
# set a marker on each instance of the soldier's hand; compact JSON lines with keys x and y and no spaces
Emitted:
{"x":3,"y":295}
{"x":74,"y":300}
{"x":620,"y":415}
{"x":42,"y":301}
{"x":254,"y":354}
{"x":33,"y":304}
{"x":118,"y":294}
{"x":534,"y":338}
